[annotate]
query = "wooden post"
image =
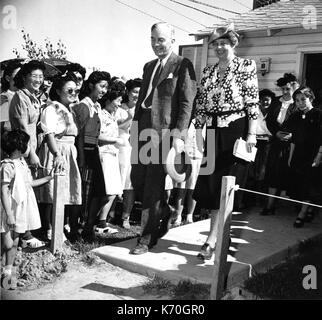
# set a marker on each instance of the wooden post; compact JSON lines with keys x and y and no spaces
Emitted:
{"x":223,"y":236}
{"x":57,"y":238}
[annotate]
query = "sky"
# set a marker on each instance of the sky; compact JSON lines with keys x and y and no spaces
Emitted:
{"x":111,"y":35}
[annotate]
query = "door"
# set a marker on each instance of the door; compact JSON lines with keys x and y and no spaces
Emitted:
{"x":312,"y":70}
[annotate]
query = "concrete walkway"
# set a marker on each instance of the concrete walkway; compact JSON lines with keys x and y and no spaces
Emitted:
{"x":258,"y":243}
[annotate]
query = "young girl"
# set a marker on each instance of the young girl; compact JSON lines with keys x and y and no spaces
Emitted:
{"x":184,"y":190}
{"x":19,"y":210}
{"x":277,"y":172}
{"x":58,"y":150}
{"x":108,"y":142}
{"x":88,"y":115}
{"x":124,"y":116}
{"x":24,"y":111}
{"x":256,"y":175}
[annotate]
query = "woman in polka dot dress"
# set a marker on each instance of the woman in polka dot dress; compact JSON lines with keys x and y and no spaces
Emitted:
{"x":227,"y":101}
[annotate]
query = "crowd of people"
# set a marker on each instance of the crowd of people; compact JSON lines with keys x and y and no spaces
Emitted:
{"x":83,"y":128}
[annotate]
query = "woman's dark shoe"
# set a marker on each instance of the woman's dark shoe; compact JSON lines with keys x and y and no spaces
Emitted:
{"x":110,"y":219}
{"x":298,"y":223}
{"x":267,"y":212}
{"x":102,"y":226}
{"x":88,"y":235}
{"x":206,"y":252}
{"x":75,"y":237}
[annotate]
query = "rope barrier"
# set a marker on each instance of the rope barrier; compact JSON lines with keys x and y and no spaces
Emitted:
{"x":236,"y":188}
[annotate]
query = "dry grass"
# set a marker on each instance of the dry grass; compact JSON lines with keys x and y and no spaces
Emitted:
{"x":184,"y":290}
{"x":285,"y":281}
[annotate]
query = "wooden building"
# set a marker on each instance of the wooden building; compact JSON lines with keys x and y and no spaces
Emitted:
{"x":285,"y":36}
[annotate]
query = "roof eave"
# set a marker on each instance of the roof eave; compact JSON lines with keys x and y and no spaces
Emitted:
{"x":270,"y":31}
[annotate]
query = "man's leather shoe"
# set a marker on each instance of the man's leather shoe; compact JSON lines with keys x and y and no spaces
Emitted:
{"x":140,"y":249}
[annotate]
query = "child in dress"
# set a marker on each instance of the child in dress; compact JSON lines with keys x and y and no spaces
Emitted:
{"x":19,"y":209}
{"x":184,"y":190}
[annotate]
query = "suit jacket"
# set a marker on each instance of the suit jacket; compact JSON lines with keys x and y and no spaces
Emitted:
{"x":173,"y":95}
{"x":271,"y":119}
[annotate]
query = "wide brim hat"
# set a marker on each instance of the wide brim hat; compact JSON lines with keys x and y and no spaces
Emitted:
{"x":224,"y":32}
{"x":178,"y":166}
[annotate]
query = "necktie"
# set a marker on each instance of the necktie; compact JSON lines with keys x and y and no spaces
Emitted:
{"x":148,"y":100}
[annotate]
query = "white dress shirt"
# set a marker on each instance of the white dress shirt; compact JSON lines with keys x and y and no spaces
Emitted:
{"x":163,"y":62}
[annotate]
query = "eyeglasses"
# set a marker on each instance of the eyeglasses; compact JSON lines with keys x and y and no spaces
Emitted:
{"x":73,"y":91}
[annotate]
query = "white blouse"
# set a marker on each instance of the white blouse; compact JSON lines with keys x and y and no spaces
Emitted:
{"x":57,"y":119}
{"x":285,"y":105}
{"x":109,"y":128}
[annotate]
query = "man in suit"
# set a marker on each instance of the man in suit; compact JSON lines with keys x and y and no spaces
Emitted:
{"x":163,"y":109}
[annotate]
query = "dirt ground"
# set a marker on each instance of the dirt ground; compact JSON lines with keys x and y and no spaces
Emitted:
{"x":100,"y":281}
{"x":75,"y":275}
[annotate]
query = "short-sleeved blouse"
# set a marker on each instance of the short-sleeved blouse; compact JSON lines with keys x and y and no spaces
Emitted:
{"x":230,"y":98}
{"x":109,"y":128}
{"x":25,"y":105}
{"x":58,"y":119}
{"x":88,"y":116}
{"x":123,"y":114}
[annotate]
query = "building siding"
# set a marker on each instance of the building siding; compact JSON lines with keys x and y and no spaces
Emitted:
{"x":283,"y":51}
